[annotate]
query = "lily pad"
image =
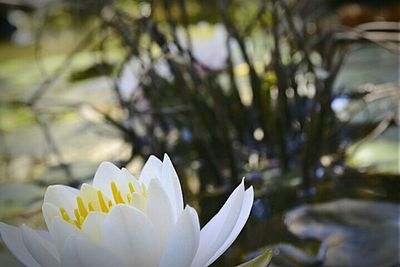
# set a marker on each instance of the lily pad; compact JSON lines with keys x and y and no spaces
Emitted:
{"x":353,"y":232}
{"x":15,"y":199}
{"x":357,"y":67}
{"x":380,"y":155}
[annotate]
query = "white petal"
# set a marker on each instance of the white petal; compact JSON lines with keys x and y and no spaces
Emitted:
{"x":92,"y":225}
{"x":62,"y":197}
{"x":41,"y":250}
{"x":61,"y":230}
{"x":151,"y":170}
{"x":243,"y":216}
{"x":183,"y":242}
{"x":125,"y":174}
{"x":139,"y":201}
{"x":50,"y":211}
{"x":45,"y":235}
{"x":130,"y":235}
{"x":105,"y":174}
{"x":217,"y":230}
{"x":11,"y":236}
{"x":171,"y":184}
{"x":159,"y":211}
{"x":79,"y":252}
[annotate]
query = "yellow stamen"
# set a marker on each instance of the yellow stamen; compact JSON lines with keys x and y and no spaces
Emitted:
{"x":65,"y":215}
{"x":77,"y":216}
{"x":103,"y":205}
{"x":131,"y":188}
{"x":81,"y":207}
{"x":90,"y":206}
{"x":116,"y":193}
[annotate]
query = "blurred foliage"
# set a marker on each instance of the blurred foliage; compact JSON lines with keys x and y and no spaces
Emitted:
{"x":15,"y":118}
{"x":262,"y":98}
{"x":227,"y":88}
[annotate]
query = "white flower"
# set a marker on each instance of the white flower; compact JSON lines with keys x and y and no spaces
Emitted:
{"x":123,"y":221}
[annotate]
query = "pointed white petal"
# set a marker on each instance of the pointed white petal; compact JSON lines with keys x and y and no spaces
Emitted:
{"x":11,"y":236}
{"x":183,"y":241}
{"x":61,"y":196}
{"x":41,"y":250}
{"x":79,"y":252}
{"x":159,"y":211}
{"x":243,"y":216}
{"x":171,"y":184}
{"x":217,"y":230}
{"x":92,"y":225}
{"x":50,"y":211}
{"x":61,"y":230}
{"x":105,"y":174}
{"x":151,"y":170}
{"x":130,"y":235}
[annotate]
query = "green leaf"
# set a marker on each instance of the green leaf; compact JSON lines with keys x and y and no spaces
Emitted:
{"x":261,"y":261}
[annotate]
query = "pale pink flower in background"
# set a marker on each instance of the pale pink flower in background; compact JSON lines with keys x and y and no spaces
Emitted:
{"x":129,"y":79}
{"x":119,"y":220}
{"x":208,"y":44}
{"x":128,"y":82}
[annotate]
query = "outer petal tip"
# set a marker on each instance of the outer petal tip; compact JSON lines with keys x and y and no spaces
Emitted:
{"x":106,"y":168}
{"x":151,"y":170}
{"x":166,"y":157}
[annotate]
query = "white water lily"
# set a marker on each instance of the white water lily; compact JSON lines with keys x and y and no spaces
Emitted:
{"x":123,"y":221}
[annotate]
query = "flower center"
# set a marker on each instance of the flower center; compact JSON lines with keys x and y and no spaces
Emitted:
{"x":97,"y":201}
